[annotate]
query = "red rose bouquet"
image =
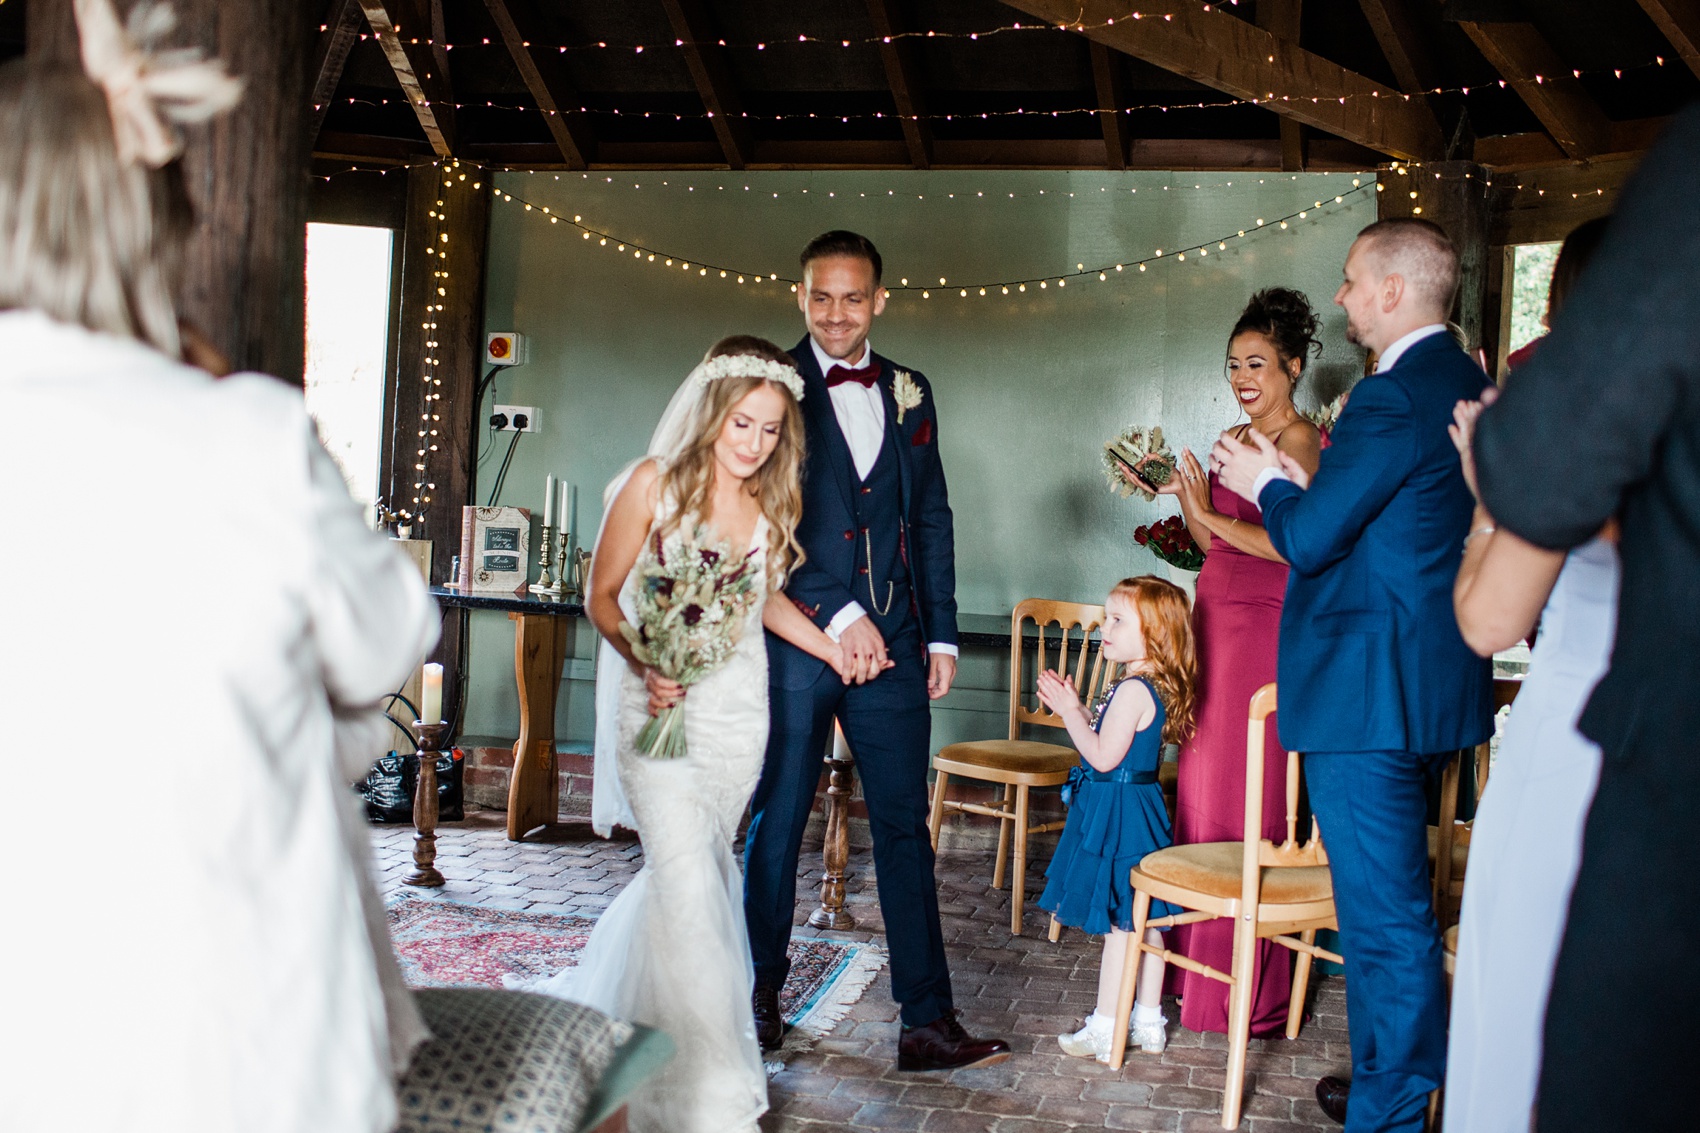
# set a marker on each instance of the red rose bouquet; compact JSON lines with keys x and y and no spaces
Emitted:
{"x":1170,"y":541}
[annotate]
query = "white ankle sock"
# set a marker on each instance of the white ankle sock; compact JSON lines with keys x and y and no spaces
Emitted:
{"x":1144,"y":1014}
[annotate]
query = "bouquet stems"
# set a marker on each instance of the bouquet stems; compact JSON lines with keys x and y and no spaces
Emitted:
{"x":663,"y":735}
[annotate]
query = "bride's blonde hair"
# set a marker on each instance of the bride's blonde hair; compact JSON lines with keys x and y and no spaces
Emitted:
{"x":688,"y":479}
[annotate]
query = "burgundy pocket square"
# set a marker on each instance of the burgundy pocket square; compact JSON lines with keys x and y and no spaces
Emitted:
{"x":922,"y":435}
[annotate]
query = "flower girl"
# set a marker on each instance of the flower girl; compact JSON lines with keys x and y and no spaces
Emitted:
{"x":1116,"y":813}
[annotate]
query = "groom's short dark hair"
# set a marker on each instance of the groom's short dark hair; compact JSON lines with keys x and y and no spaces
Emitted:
{"x":838,"y":242}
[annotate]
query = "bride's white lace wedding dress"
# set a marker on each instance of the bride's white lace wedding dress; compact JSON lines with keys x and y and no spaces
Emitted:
{"x":672,"y":952}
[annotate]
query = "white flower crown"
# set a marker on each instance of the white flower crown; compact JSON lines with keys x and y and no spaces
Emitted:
{"x":750,"y":366}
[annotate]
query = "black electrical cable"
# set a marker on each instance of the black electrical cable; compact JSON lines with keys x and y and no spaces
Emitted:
{"x":502,"y":473}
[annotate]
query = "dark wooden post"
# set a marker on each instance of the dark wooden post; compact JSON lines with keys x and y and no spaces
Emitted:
{"x":437,"y":352}
{"x":1455,"y":195}
{"x":247,"y":174}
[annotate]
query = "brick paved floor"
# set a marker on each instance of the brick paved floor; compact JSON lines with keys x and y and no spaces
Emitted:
{"x":1023,"y":988}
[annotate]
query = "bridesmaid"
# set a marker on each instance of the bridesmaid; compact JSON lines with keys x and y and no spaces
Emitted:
{"x":1236,"y":623}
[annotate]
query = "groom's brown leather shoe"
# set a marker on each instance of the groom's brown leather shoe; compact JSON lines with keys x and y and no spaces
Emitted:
{"x":944,"y":1045}
{"x":1332,"y":1094}
{"x":770,"y":1024}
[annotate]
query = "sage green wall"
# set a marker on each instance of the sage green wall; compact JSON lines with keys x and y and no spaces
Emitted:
{"x":1029,"y":386}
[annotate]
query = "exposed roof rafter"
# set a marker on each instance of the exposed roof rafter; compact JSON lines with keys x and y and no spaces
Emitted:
{"x":693,"y":24}
{"x":1230,"y":55}
{"x":1679,"y":20}
{"x":547,"y":81}
{"x":903,"y":76}
{"x":1525,"y":60}
{"x":342,"y":28}
{"x":1402,"y":42}
{"x":422,"y":81}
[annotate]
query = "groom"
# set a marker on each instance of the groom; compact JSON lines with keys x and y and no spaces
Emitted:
{"x":1377,"y":685}
{"x":880,"y":578}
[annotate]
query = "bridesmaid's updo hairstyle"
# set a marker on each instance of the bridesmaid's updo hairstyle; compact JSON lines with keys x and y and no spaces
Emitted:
{"x":1285,"y":318}
{"x":689,"y":479}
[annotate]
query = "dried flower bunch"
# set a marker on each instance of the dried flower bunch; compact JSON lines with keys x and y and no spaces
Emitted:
{"x":1170,"y":541}
{"x":692,"y":603}
{"x":1138,"y":454}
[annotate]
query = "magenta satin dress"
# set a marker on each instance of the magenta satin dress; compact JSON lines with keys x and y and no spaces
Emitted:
{"x":1236,"y":622}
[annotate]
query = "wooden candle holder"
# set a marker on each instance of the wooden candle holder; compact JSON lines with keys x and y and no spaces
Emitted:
{"x":836,"y":850}
{"x":425,"y":807}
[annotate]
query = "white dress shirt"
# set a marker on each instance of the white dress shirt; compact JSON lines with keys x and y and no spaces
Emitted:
{"x":1389,"y":358}
{"x":861,"y":418}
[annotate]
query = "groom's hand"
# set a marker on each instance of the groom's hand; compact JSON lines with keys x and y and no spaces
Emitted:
{"x":941,"y":671}
{"x":864,"y":651}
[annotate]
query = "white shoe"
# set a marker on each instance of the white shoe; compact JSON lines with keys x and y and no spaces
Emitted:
{"x":1091,"y":1041}
{"x":1150,"y":1037}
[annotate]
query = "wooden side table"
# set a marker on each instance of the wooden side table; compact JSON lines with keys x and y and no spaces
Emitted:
{"x":541,"y":633}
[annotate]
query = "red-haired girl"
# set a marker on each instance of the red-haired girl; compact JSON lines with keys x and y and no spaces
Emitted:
{"x":1116,"y":813}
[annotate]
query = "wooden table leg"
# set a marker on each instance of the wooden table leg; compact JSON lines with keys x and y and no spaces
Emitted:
{"x":836,"y":850}
{"x":540,"y":647}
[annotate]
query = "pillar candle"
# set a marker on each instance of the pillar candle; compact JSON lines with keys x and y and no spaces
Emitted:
{"x":549,"y":502}
{"x":567,"y":511}
{"x":431,"y":702}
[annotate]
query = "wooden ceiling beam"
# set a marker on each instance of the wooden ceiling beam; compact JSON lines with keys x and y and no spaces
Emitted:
{"x":1228,"y":54}
{"x":1112,"y":105}
{"x":1282,"y":19}
{"x":341,"y":30}
{"x":1544,"y":82}
{"x":693,"y":24}
{"x":1679,"y":20}
{"x":422,"y":81}
{"x":1403,"y":43}
{"x":546,"y":78}
{"x":903,"y":76}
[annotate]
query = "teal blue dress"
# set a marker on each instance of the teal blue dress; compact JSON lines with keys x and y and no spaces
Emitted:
{"x":1115,"y":818}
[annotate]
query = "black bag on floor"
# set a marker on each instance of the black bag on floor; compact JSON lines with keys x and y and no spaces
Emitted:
{"x":389,"y":786}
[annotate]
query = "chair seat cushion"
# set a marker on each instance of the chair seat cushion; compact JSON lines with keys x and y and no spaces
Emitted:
{"x":505,"y":1060}
{"x":1213,"y":868}
{"x":1014,"y":757}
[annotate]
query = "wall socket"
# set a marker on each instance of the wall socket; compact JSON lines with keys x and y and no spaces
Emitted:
{"x":512,"y":411}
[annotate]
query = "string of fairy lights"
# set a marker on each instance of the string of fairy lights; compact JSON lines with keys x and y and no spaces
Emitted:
{"x":1220,"y":103}
{"x":436,"y":300}
{"x":769,"y":281}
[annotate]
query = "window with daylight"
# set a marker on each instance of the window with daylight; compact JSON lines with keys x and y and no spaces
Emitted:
{"x":348,"y":321}
{"x":1531,"y":275}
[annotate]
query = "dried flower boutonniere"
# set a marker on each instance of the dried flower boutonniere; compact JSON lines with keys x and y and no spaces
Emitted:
{"x":907,"y":393}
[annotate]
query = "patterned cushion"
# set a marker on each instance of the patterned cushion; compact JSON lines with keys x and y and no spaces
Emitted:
{"x":505,"y":1061}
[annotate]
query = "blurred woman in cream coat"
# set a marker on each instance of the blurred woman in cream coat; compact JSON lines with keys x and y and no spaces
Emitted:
{"x":192,"y":619}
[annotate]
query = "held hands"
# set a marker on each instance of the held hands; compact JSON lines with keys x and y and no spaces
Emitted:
{"x":1463,"y":433}
{"x":1057,"y":693}
{"x":862,"y":650}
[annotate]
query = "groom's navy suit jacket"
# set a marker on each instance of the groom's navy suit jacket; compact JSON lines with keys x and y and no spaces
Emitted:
{"x":1371,"y":658}
{"x":827,"y":581}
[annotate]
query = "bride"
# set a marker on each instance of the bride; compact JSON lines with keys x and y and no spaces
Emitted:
{"x":671,"y":952}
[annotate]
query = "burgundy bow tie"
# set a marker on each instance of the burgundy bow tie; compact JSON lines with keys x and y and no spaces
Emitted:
{"x":866,"y":376}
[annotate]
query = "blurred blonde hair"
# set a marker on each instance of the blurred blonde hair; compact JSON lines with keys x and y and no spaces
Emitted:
{"x":689,"y":479}
{"x":85,"y":237}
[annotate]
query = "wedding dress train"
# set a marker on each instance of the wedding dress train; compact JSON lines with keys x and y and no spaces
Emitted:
{"x":671,"y":951}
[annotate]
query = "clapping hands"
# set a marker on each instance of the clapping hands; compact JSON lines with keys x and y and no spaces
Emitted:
{"x":1239,"y":463}
{"x":1463,"y":434}
{"x":1057,"y":693}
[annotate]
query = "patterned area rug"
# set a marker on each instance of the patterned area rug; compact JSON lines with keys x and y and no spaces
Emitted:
{"x":446,"y":944}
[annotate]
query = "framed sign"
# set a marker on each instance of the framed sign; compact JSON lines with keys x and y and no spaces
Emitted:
{"x":494,"y":547}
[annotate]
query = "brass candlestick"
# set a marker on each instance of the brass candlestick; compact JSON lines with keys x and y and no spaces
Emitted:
{"x":425,"y":807}
{"x":545,"y":584}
